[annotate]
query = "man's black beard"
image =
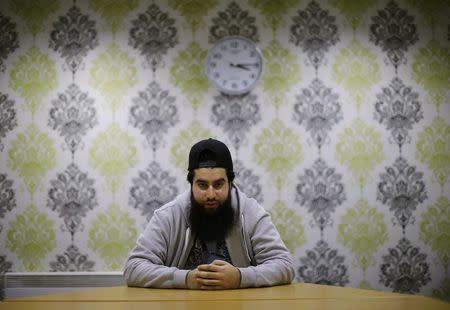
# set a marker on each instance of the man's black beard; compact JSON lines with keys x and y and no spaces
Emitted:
{"x":214,"y":226}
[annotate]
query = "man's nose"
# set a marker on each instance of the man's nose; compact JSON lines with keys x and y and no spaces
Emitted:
{"x":210,"y":192}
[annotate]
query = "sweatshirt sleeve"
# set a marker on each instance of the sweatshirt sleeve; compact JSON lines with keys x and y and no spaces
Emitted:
{"x":145,"y":264}
{"x":274,"y":263}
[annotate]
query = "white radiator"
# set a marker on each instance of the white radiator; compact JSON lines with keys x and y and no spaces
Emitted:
{"x":21,"y":284}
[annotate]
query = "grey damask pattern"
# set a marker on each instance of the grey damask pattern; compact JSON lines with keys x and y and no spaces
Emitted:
{"x":4,"y":265}
{"x":318,"y":108}
{"x":154,"y":112}
{"x":72,"y":195}
{"x":8,"y":117}
{"x":8,"y":39}
{"x":394,"y":30}
{"x":405,"y":269}
{"x":321,"y":190}
{"x":247,"y":181}
{"x":7,"y":196}
{"x":323,"y":265}
{"x":402,"y":188}
{"x":153,"y":188}
{"x":315,"y":31}
{"x":72,"y":260}
{"x":72,"y":115}
{"x":398,"y":108}
{"x":73,"y":35}
{"x":153,"y":34}
{"x":236,"y":115}
{"x":233,"y":22}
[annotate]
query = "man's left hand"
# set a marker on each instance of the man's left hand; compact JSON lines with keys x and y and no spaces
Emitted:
{"x":219,"y":275}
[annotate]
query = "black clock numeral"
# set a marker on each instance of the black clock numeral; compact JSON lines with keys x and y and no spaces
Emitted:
{"x":252,"y":76}
{"x":213,"y":65}
{"x":217,"y":56}
{"x":252,"y":54}
{"x":216,"y":75}
{"x":234,"y":44}
{"x":244,"y":82}
{"x":224,"y":82}
{"x":234,"y":85}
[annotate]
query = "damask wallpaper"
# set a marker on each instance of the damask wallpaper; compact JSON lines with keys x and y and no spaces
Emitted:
{"x":345,"y":140}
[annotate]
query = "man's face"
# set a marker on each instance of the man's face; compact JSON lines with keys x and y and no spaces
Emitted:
{"x":210,"y":188}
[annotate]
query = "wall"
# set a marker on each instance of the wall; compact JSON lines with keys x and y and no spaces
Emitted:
{"x":345,"y":140}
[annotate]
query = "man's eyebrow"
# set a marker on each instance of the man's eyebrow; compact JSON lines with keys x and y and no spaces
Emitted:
{"x":205,"y":181}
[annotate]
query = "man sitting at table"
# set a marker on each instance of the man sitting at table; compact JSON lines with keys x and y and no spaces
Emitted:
{"x":210,"y":237}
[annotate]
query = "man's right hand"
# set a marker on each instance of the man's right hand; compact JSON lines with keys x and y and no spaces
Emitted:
{"x":219,"y":275}
{"x":192,"y":280}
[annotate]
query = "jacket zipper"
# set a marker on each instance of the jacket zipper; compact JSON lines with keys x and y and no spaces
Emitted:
{"x":244,"y":239}
{"x":185,"y":246}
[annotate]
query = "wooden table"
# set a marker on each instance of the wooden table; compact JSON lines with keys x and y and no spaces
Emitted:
{"x":293,"y":296}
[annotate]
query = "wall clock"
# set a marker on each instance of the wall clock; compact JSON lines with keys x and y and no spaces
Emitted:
{"x":234,"y":65}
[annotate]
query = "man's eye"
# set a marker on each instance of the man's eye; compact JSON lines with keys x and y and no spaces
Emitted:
{"x":218,"y":185}
{"x":202,"y":186}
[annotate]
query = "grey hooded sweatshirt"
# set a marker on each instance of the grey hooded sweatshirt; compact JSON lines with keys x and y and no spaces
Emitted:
{"x":254,"y":245}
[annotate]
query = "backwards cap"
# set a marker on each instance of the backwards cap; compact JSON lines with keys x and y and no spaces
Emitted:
{"x":210,"y":153}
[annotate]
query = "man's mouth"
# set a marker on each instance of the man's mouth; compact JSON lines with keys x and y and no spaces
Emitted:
{"x":211,"y":204}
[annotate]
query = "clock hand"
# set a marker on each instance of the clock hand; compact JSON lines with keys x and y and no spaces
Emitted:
{"x":247,"y":64}
{"x":240,"y":66}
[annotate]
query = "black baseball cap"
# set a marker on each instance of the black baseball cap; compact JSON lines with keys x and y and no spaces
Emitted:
{"x":210,"y":153}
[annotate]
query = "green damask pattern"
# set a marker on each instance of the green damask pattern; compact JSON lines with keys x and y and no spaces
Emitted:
{"x":184,"y":141}
{"x":274,"y":11}
{"x":444,"y":291}
{"x":32,"y":155}
{"x":360,"y":148}
{"x":193,"y":10}
{"x":431,"y":69}
{"x":113,"y":152}
{"x":33,"y":76}
{"x":281,"y":72}
{"x":289,"y":225}
{"x":113,"y":11}
{"x":353,"y":10}
{"x":35,"y":12}
{"x":187,"y":72}
{"x":432,"y":10}
{"x":362,"y":229}
{"x":435,"y":230}
{"x":278,"y":150}
{"x":112,"y":235}
{"x":357,"y":70}
{"x":31,"y":236}
{"x":113,"y":73}
{"x":433,"y":149}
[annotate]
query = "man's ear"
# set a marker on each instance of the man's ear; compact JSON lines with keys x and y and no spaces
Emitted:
{"x":230,"y":175}
{"x":190,"y":176}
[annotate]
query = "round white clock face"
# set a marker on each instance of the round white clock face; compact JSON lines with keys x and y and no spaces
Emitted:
{"x":234,"y":65}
